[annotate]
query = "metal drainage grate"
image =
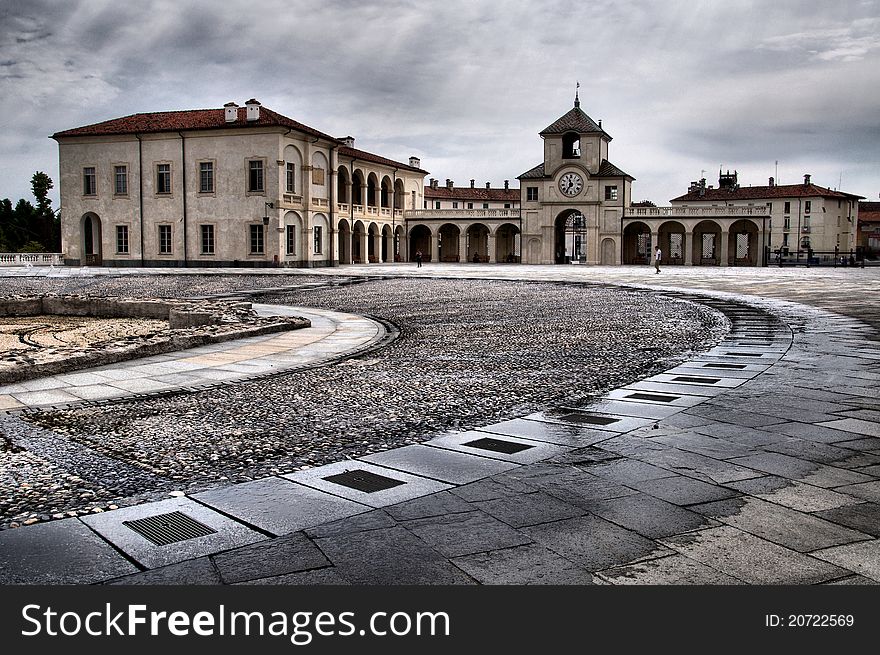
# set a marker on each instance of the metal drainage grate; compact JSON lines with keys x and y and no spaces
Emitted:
{"x":720,"y":365}
{"x":364,"y":481}
{"x":498,"y":445}
{"x":589,"y":418}
{"x":164,"y":529}
{"x":745,"y":354}
{"x":653,"y":396}
{"x":690,"y":378}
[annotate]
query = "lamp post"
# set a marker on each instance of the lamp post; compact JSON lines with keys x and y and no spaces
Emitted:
{"x":269,"y":205}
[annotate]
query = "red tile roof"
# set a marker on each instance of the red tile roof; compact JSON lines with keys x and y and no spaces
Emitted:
{"x":467,"y":193}
{"x":192,"y":119}
{"x":869,"y":212}
{"x":345,"y":151}
{"x":763,"y":192}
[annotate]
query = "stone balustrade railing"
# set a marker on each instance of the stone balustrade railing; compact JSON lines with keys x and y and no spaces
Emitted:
{"x":452,"y":214}
{"x":684,"y":212}
{"x":31,"y":259}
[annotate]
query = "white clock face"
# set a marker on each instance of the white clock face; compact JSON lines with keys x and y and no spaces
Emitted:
{"x":571,"y":184}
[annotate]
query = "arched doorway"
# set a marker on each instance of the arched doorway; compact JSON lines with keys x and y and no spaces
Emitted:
{"x":671,"y":240}
{"x":609,"y":250}
{"x":707,"y":244}
{"x":398,"y":240}
{"x":372,"y":242}
{"x":92,"y":240}
{"x":344,"y":242}
{"x":478,"y":243}
{"x":570,"y":240}
{"x":358,"y":243}
{"x":357,"y":188}
{"x":636,"y":243}
{"x":343,"y":184}
{"x":420,"y":239}
{"x":507,"y":243}
{"x":742,"y":247}
{"x":447,"y":243}
{"x":386,"y":244}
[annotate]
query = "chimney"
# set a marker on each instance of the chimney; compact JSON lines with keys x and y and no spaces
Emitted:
{"x":449,"y":184}
{"x":600,"y":123}
{"x":348,"y":141}
{"x":472,"y":183}
{"x":253,"y":110}
{"x":772,"y":182}
{"x":415,"y":162}
{"x":231,"y":112}
{"x":487,"y":185}
{"x":506,"y":185}
{"x":433,"y":183}
{"x":806,"y":179}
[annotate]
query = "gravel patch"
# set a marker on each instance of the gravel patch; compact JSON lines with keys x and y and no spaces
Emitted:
{"x":470,"y":353}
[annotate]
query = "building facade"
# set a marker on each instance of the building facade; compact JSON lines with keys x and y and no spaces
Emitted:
{"x":869,"y":228}
{"x":238,"y":186}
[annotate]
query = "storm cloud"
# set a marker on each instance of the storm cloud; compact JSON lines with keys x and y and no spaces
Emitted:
{"x":684,"y":87}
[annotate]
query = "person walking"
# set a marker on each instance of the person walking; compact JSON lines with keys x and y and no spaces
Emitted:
{"x":657,"y":256}
{"x":418,"y":258}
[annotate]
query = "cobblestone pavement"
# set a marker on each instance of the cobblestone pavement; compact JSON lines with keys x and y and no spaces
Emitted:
{"x":757,"y":461}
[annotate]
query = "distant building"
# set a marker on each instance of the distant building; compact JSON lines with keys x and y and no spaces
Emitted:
{"x":869,"y":227}
{"x":236,"y":186}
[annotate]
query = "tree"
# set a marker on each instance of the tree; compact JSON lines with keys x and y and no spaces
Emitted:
{"x":26,"y":228}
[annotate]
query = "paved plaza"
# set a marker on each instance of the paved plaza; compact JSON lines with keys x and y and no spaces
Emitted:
{"x":751,"y":455}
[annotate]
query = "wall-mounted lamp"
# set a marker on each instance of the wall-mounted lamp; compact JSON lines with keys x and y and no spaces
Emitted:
{"x":269,"y":205}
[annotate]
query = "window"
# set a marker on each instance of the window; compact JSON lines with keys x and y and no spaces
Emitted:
{"x":255,"y":175}
{"x":120,"y":177}
{"x":257,"y":246}
{"x":485,"y":205}
{"x":785,"y":240}
{"x":611,"y":192}
{"x":506,"y":205}
{"x":163,"y":178}
{"x":164,"y":239}
{"x":425,"y":203}
{"x":532,"y":194}
{"x":470,"y":205}
{"x":90,"y":187}
{"x":318,"y":239}
{"x":436,"y":204}
{"x":455,"y":204}
{"x":207,"y":239}
{"x":290,"y":178}
{"x":122,"y":239}
{"x":291,"y":239}
{"x":807,"y":206}
{"x":787,"y":208}
{"x":786,"y":223}
{"x":206,"y":177}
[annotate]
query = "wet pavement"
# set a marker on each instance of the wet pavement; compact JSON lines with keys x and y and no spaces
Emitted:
{"x":755,"y":462}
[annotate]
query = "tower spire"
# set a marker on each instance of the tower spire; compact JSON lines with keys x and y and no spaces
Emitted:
{"x":577,"y":102}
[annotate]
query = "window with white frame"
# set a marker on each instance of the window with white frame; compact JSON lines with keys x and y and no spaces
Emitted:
{"x":90,"y":183}
{"x":122,"y":239}
{"x":163,"y":178}
{"x":165,"y":240}
{"x":206,"y":177}
{"x":318,"y":230}
{"x":291,"y":239}
{"x":255,"y":176}
{"x":207,"y":239}
{"x":611,"y":192}
{"x":257,"y":245}
{"x":290,"y":178}
{"x":532,"y":194}
{"x":120,"y":180}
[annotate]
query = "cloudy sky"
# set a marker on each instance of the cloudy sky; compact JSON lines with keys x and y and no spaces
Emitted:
{"x":683,"y":86}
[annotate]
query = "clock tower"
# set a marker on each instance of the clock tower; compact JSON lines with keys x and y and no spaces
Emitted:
{"x":572,"y":203}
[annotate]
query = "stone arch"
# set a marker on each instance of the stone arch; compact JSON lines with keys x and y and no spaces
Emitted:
{"x":742,"y":244}
{"x":320,"y":175}
{"x":477,"y":243}
{"x":387,"y":244}
{"x":448,"y":238}
{"x":343,"y":185}
{"x":507,"y":243}
{"x":344,"y":239}
{"x":92,"y":239}
{"x":373,"y":243}
{"x":399,"y":194}
{"x":420,"y":239}
{"x":570,"y":237}
{"x":372,"y":190}
{"x":321,"y":249}
{"x":399,"y":239}
{"x":385,"y":189}
{"x":707,"y":244}
{"x":636,"y":243}
{"x":534,"y":251}
{"x":358,"y":243}
{"x":292,"y":155}
{"x":571,"y":145}
{"x":608,"y":252}
{"x":357,"y":187}
{"x":671,"y":239}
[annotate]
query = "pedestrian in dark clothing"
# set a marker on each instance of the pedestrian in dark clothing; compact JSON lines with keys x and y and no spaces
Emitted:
{"x":418,"y":258}
{"x":657,"y":256}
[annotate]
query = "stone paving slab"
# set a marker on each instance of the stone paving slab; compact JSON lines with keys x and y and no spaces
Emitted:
{"x":290,"y":554}
{"x":586,"y":417}
{"x":563,"y":434}
{"x":529,"y":564}
{"x":466,"y":533}
{"x":673,"y":569}
{"x":630,"y":395}
{"x":60,"y":552}
{"x":536,"y":450}
{"x":862,"y":558}
{"x":439,"y":464}
{"x":279,"y":506}
{"x":199,"y":571}
{"x":229,"y":533}
{"x":529,"y":509}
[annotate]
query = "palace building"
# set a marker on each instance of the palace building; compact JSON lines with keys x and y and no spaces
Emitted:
{"x":246,"y":186}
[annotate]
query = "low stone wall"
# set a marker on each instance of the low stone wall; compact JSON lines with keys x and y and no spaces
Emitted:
{"x":191,"y":323}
